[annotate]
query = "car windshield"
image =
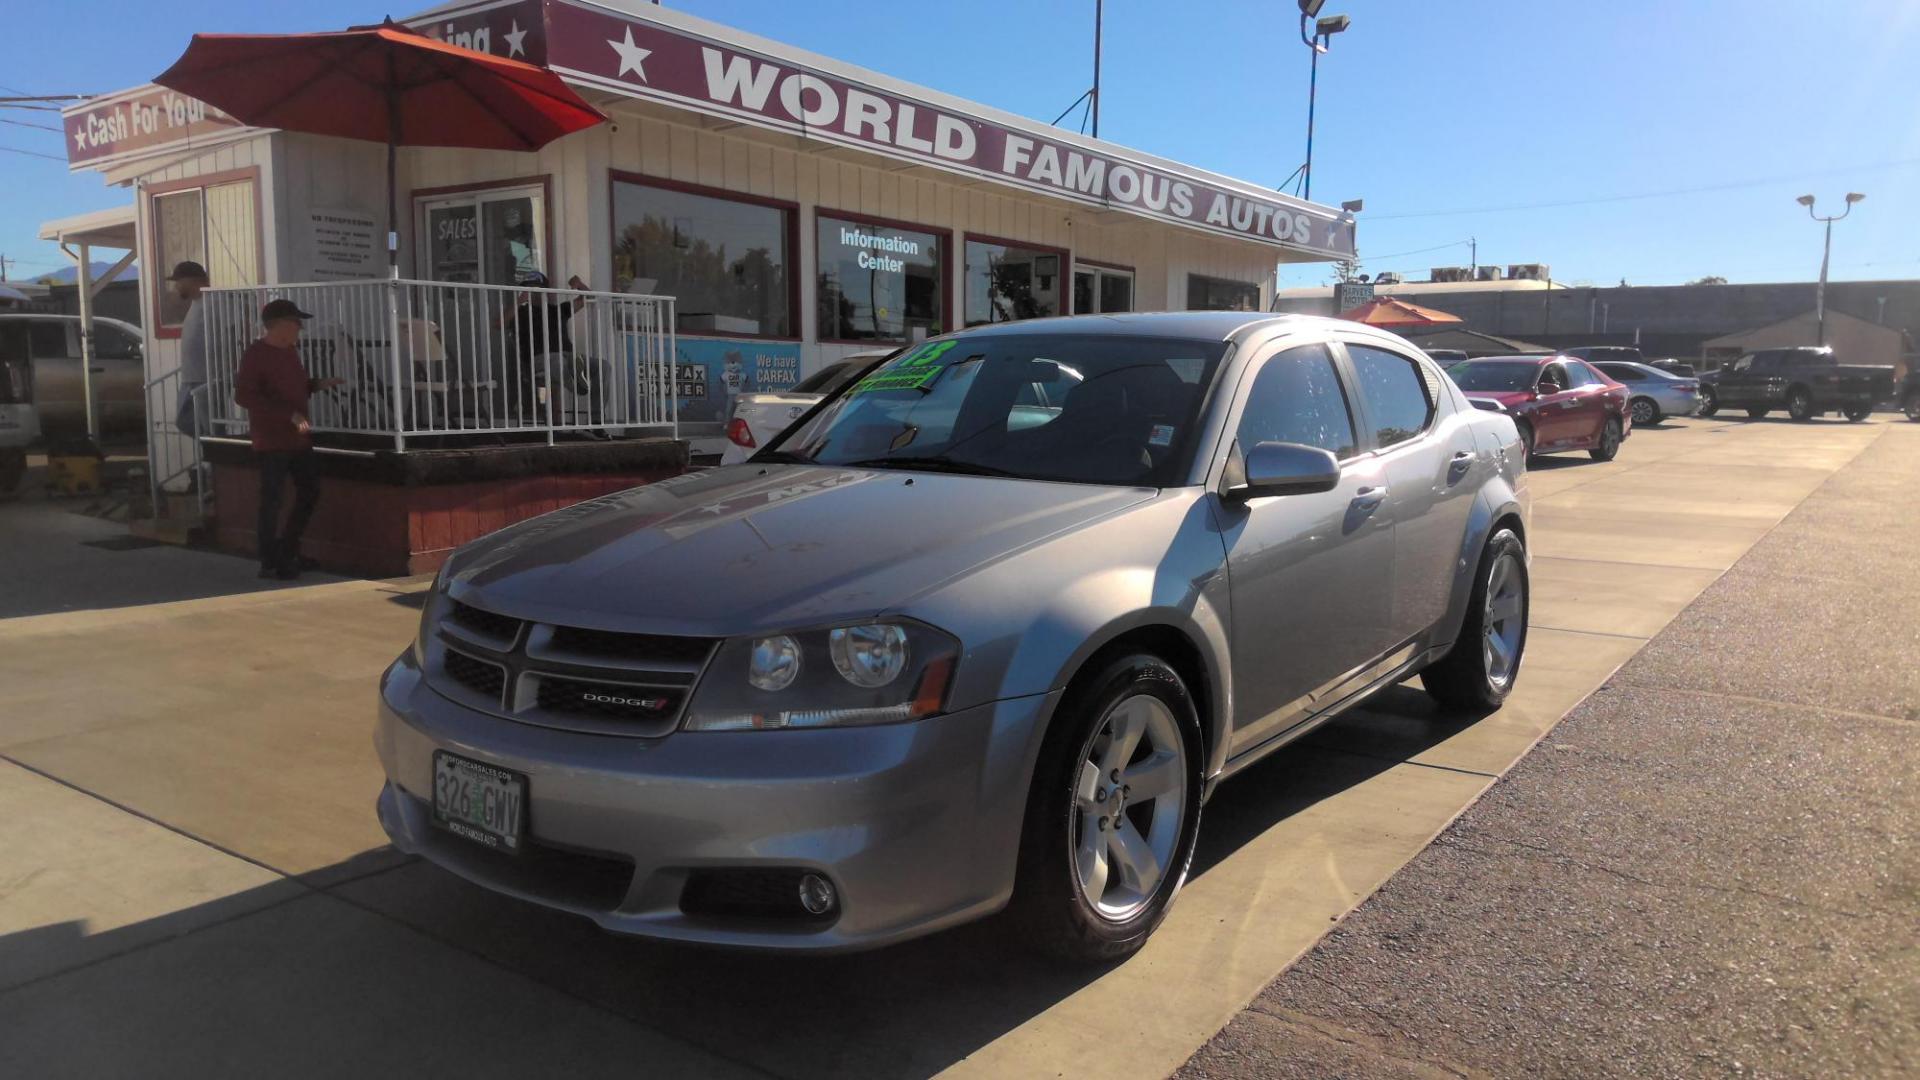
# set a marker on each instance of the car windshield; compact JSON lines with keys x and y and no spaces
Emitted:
{"x":1078,"y":408}
{"x":1495,"y":375}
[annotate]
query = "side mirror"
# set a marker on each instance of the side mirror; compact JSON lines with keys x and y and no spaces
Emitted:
{"x":1278,"y":468}
{"x":1550,"y":388}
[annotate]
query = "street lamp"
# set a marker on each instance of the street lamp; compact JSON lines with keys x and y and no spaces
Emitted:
{"x":1323,"y":31}
{"x":1820,"y":297}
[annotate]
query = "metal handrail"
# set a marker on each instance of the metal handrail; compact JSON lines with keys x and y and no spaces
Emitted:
{"x":459,"y":360}
{"x":163,"y":442}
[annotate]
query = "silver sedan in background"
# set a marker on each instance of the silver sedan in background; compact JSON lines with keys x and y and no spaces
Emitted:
{"x":1654,"y":393}
{"x":980,"y":632}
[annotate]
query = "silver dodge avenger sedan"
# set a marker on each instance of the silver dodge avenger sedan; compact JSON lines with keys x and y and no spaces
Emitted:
{"x":980,"y":632}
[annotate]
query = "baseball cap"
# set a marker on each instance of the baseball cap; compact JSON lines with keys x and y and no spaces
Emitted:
{"x":188,"y":270}
{"x":282,"y":309}
{"x":533,"y":279}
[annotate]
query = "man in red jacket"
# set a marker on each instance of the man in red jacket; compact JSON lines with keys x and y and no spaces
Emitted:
{"x":273,"y":387}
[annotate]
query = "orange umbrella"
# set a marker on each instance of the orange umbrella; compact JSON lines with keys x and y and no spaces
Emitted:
{"x":1391,"y":312}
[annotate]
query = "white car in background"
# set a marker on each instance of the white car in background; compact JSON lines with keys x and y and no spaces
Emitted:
{"x":757,"y":418}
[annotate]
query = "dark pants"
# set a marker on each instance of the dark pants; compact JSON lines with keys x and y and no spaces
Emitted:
{"x":277,"y":547}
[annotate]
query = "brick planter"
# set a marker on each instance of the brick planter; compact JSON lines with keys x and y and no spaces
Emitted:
{"x":395,"y":514}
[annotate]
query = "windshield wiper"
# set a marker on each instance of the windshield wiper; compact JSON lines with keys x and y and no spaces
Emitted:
{"x":932,"y":463}
{"x":781,"y":457}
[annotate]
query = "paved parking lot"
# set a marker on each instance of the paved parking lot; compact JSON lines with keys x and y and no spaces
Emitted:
{"x":195,"y":882}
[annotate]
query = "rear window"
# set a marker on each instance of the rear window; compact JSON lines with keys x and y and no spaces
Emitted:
{"x":827,"y":379}
{"x":1494,"y":376}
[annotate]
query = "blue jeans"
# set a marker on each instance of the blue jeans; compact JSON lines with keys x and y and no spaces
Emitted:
{"x":189,"y":416}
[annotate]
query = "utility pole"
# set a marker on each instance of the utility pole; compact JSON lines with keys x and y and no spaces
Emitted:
{"x":3,"y":266}
{"x":1826,"y":253}
{"x":1473,"y":259}
{"x":1098,"y":10}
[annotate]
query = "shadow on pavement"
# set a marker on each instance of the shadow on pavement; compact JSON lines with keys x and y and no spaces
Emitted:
{"x":330,"y":951}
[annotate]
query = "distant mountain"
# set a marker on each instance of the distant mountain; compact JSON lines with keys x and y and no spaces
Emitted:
{"x":67,"y":276}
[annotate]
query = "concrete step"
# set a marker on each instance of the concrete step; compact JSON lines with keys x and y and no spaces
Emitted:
{"x":183,"y":529}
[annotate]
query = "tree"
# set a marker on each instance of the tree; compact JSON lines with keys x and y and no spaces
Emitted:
{"x":1710,"y":279}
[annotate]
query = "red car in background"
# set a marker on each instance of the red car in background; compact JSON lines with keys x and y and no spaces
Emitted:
{"x":1558,"y":402}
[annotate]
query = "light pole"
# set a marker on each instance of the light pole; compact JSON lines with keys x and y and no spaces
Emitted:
{"x":1826,"y":253}
{"x":1323,"y":31}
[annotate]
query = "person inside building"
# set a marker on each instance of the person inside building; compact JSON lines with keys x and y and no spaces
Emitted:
{"x":187,"y":279}
{"x":273,"y":386}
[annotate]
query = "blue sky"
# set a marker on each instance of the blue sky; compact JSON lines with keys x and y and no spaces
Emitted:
{"x":1428,"y":109}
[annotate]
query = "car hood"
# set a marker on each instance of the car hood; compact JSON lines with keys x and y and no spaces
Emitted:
{"x":748,"y":547}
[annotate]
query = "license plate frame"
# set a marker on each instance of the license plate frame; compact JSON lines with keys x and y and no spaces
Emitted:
{"x":456,"y":777}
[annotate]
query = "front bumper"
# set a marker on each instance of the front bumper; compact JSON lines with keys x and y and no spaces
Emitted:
{"x":917,"y":825}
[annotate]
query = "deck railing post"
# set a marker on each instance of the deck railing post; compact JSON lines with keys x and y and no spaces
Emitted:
{"x":393,"y":350}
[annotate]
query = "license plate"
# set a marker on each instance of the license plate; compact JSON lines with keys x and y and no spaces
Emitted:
{"x":481,"y":802}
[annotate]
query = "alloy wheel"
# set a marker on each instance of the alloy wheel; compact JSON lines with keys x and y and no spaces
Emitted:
{"x":1505,"y":621}
{"x":1642,"y":411}
{"x":1130,"y":803}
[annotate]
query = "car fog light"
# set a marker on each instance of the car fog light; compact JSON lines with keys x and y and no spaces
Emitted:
{"x":816,"y":894}
{"x":775,"y":664}
{"x":868,"y":656}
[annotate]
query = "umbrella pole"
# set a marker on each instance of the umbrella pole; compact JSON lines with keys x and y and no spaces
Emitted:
{"x":393,"y":264}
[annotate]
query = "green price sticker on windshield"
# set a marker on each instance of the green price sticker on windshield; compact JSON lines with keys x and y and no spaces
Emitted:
{"x":917,"y":370}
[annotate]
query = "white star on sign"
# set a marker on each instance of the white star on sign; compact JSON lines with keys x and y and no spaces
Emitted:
{"x":631,"y":56}
{"x":80,"y":139}
{"x":516,"y":40}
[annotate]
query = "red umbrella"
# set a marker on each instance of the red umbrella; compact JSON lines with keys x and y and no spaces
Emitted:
{"x":382,"y":84}
{"x":1388,"y":311}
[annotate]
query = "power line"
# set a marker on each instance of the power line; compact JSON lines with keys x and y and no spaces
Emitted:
{"x":1706,"y":189}
{"x":32,"y":153}
{"x":25,"y":124}
{"x":1416,"y":251}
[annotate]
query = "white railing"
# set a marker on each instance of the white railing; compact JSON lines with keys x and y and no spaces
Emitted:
{"x":471,"y":362}
{"x":174,"y":462}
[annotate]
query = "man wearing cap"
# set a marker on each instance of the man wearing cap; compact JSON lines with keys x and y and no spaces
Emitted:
{"x":187,"y":279}
{"x":541,"y":337}
{"x":273,"y":387}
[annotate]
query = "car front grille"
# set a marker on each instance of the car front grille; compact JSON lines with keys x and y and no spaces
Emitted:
{"x":575,"y":678}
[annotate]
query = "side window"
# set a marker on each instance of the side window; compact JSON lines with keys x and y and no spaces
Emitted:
{"x":1745,"y":363}
{"x":1583,"y":375}
{"x":1395,"y":392}
{"x":113,"y":343}
{"x":1555,"y":373}
{"x":49,"y":338}
{"x":1622,"y":373}
{"x":1296,"y":398}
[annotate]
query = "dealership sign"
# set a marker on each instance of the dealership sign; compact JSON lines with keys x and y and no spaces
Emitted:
{"x":114,"y":128}
{"x":638,"y":57}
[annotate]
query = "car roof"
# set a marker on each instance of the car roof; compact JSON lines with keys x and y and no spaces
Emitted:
{"x":1521,"y":358}
{"x":1220,"y":325}
{"x":63,"y":317}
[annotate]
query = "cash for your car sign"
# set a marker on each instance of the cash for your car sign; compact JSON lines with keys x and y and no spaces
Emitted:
{"x":708,"y":374}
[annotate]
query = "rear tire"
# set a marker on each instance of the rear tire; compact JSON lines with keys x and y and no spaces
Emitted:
{"x":1709,"y":401}
{"x":1526,"y":439}
{"x":1857,"y":413}
{"x":1799,"y":404}
{"x":1609,"y":441}
{"x":1644,"y":411}
{"x":1082,"y":890}
{"x":1911,"y":407}
{"x":1755,"y":412}
{"x":1476,"y":675}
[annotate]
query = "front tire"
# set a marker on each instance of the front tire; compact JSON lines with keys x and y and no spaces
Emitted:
{"x":1756,"y":412}
{"x":1479,"y":671}
{"x":1799,"y":404}
{"x":1526,"y":439}
{"x":1644,"y":411}
{"x":1709,"y":401}
{"x":1911,"y":407}
{"x":1610,"y":437}
{"x":1113,"y":814}
{"x":1857,"y":413}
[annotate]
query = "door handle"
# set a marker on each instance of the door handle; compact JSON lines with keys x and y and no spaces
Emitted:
{"x":1462,"y":457}
{"x":1369,"y":497}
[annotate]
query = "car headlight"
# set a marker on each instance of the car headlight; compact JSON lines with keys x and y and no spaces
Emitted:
{"x":843,"y":676}
{"x":430,"y":613}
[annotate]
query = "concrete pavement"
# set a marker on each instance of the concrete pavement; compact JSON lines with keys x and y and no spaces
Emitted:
{"x":223,"y":743}
{"x":1708,"y":869}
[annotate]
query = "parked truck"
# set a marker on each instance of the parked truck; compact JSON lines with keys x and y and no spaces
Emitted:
{"x":1807,"y":381}
{"x":1910,"y":396}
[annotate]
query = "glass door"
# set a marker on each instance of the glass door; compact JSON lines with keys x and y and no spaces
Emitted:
{"x":1101,"y":289}
{"x":488,"y":237}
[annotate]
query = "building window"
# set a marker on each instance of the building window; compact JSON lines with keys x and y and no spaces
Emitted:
{"x":495,"y":237}
{"x":879,"y":282}
{"x":1007,"y":282}
{"x":1101,"y":289}
{"x":213,"y":224}
{"x":1219,"y":294}
{"x":725,"y":260}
